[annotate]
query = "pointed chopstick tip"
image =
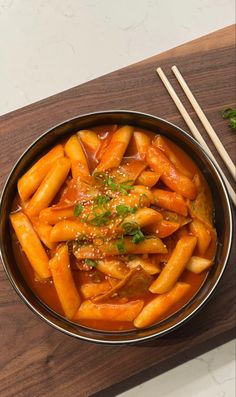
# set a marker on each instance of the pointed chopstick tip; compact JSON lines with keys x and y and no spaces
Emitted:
{"x":159,"y":70}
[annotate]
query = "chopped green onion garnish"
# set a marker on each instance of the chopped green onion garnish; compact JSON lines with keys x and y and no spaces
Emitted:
{"x":140,"y":204}
{"x":100,"y":219}
{"x":121,"y":245}
{"x":91,"y":263}
{"x":122,"y":210}
{"x":101,"y":200}
{"x":124,"y":187}
{"x":125,"y":210}
{"x":100,"y":176}
{"x":138,"y":237}
{"x":109,"y":181}
{"x":131,"y":228}
{"x":78,"y":209}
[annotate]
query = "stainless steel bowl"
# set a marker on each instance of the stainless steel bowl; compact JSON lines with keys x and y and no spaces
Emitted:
{"x":223,"y":224}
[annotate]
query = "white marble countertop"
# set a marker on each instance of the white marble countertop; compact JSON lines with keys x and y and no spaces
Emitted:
{"x":47,"y":46}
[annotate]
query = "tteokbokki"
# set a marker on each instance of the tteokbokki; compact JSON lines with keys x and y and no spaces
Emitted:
{"x":113,"y":228}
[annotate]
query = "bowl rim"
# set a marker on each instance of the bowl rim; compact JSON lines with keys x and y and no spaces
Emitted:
{"x":141,"y":339}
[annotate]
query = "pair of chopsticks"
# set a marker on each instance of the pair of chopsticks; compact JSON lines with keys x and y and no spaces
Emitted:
{"x":212,"y":134}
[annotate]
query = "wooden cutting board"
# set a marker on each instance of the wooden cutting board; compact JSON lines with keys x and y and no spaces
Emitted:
{"x":38,"y":360}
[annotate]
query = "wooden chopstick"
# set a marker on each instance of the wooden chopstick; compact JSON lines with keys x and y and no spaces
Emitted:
{"x":194,"y":129}
{"x":205,"y":122}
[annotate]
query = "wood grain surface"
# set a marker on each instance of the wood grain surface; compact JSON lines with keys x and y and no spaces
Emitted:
{"x":38,"y":360}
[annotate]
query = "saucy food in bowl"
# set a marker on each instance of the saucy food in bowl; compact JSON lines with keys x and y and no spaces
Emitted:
{"x":113,"y":228}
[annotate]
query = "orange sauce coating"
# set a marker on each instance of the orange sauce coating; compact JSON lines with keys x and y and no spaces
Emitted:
{"x":46,"y":291}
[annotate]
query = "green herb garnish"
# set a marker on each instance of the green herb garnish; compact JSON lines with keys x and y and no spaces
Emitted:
{"x":125,"y":210}
{"x":91,"y":263}
{"x":78,"y":209}
{"x":122,"y":210}
{"x":106,"y":180}
{"x":125,"y":187}
{"x":100,"y":176}
{"x":138,"y":237}
{"x":121,"y":245}
{"x":101,"y":200}
{"x":109,"y":181}
{"x":100,"y":219}
{"x":84,"y":219}
{"x":131,"y":228}
{"x":232,"y":123}
{"x":230,"y":114}
{"x":140,"y":204}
